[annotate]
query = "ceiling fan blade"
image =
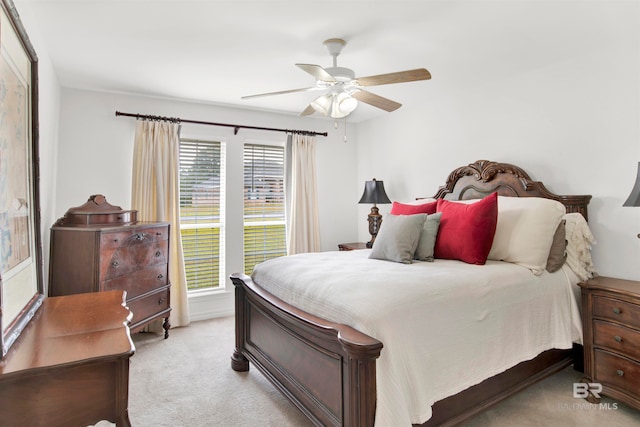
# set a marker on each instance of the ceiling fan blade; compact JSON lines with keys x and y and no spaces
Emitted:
{"x":317,"y":71}
{"x":305,"y":89}
{"x":308,"y":111}
{"x":376,"y":100}
{"x":398,"y":77}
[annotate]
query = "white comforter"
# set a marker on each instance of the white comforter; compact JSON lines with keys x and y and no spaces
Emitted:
{"x":445,"y":325}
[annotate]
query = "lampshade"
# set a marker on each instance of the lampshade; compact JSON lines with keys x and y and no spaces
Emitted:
{"x":322,"y":104}
{"x":343,"y":104}
{"x":374,"y":193}
{"x":634,"y":197}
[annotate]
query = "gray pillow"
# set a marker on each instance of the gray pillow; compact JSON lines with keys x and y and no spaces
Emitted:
{"x":398,"y":238}
{"x":424,"y":251}
{"x":558,"y":251}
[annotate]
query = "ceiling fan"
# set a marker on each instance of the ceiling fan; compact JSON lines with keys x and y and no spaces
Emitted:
{"x":343,"y":89}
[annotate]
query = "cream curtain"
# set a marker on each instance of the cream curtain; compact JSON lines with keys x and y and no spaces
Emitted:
{"x":303,"y":232}
{"x":155,"y":194}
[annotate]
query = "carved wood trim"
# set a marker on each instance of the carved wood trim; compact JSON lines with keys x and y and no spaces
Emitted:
{"x":484,"y":177}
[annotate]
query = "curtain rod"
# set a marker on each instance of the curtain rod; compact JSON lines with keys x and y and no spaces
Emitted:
{"x":235,"y":127}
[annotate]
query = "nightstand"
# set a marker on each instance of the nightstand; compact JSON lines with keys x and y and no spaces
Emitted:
{"x":352,"y":246}
{"x":611,"y":327}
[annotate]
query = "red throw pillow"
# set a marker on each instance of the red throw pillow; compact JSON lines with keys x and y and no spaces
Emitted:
{"x":404,"y":209}
{"x":466,"y":230}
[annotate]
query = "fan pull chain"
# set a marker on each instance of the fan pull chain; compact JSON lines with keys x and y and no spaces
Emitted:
{"x":345,"y":129}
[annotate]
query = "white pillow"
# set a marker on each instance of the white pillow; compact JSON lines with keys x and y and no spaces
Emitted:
{"x":525,"y":229}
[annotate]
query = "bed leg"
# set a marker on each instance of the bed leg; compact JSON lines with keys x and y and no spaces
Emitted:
{"x":239,"y":363}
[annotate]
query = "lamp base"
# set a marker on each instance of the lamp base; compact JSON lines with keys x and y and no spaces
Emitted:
{"x":375,"y":219}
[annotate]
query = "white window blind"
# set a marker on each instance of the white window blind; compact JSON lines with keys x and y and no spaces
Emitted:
{"x":201,"y":211}
{"x":264,"y":204}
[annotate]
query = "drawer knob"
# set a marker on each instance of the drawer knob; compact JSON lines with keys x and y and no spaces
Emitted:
{"x":617,"y":310}
{"x":618,"y":338}
{"x":160,"y":276}
{"x":158,"y":253}
{"x":620,"y":372}
{"x":139,"y":237}
{"x":115,"y":264}
{"x":161,"y":300}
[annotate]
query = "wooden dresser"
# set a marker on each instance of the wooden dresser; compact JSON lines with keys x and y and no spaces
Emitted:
{"x":70,"y":365}
{"x":99,"y":247}
{"x":611,"y":328}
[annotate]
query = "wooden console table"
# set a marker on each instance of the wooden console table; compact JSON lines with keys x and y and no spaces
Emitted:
{"x":70,"y":365}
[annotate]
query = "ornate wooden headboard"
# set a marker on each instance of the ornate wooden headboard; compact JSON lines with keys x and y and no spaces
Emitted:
{"x":484,"y":177}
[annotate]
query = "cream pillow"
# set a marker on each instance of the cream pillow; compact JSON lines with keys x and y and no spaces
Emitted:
{"x":525,"y":230}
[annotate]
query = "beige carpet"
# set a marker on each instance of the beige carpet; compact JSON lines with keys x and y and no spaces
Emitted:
{"x":187,"y":381}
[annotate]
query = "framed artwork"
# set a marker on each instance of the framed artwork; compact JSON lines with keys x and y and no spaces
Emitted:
{"x":21,"y":281}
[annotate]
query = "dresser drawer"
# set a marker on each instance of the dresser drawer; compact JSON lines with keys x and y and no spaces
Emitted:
{"x":127,"y":259}
{"x":139,"y":282}
{"x":616,"y":310}
{"x":148,"y":306}
{"x":617,"y":338}
{"x":617,"y":371}
{"x":134,"y":236}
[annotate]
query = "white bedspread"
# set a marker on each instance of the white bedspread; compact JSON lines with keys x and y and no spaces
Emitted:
{"x":445,"y":325}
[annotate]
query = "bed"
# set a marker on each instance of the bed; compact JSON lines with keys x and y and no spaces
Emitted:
{"x":329,"y":369}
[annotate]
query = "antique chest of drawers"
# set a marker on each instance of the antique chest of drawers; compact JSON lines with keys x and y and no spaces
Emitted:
{"x":99,"y":247}
{"x":611,"y":331}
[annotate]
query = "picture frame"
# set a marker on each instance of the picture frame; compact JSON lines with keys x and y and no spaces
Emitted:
{"x":21,"y":262}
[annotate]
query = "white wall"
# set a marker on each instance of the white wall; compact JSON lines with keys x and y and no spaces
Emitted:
{"x":96,"y":150}
{"x":568,"y":113}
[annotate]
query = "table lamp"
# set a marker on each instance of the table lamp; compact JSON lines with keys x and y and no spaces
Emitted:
{"x":374,"y":193}
{"x":634,"y":197}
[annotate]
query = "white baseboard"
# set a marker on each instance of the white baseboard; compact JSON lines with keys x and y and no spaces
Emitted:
{"x":209,"y":305}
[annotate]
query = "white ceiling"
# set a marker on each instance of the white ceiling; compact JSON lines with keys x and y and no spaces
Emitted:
{"x":217,"y":51}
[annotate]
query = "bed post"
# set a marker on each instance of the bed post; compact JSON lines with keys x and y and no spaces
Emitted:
{"x":239,"y":363}
{"x":360,"y":390}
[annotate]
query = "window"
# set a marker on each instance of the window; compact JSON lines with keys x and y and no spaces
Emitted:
{"x":264,"y":204}
{"x":201,"y":211}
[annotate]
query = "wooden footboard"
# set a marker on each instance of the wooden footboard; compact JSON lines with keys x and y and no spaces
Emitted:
{"x":326,"y":369}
